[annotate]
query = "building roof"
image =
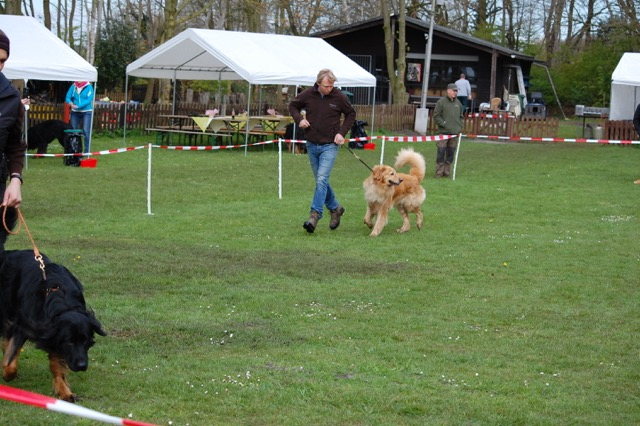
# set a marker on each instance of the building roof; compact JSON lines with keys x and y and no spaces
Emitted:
{"x":439,"y":30}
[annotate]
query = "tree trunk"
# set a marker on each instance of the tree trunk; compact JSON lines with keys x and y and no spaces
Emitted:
{"x":396,"y":69}
{"x":12,"y":7}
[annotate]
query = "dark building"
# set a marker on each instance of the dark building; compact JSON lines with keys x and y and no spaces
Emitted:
{"x":491,"y":69}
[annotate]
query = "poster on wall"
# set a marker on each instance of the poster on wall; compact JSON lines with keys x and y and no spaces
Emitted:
{"x":414,"y":72}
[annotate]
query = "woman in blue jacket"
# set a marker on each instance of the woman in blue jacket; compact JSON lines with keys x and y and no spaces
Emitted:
{"x":80,"y":97}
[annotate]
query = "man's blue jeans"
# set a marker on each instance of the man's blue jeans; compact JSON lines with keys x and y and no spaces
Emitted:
{"x":321,"y":158}
{"x":85,"y":117}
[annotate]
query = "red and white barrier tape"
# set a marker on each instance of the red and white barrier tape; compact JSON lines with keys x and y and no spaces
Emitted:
{"x":53,"y":404}
{"x":524,"y":138}
{"x":359,"y":139}
{"x":80,"y":154}
{"x":418,"y":138}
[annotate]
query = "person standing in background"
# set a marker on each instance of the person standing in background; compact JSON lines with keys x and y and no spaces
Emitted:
{"x":448,"y":117}
{"x":464,"y":91}
{"x":80,"y":98}
{"x":318,"y":110}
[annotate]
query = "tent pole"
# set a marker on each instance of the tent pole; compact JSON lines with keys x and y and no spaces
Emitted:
{"x":220,"y":94}
{"x":373,"y":111}
{"x":173,"y":101}
{"x":246,"y":126}
{"x":126,"y":102}
{"x":93,"y":110}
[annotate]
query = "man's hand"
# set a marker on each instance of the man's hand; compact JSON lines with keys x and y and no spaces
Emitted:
{"x":339,"y":139}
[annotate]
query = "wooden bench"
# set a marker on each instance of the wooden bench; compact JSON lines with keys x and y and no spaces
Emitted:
{"x":164,"y":133}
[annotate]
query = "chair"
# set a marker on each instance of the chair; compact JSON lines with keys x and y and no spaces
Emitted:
{"x":495,"y":104}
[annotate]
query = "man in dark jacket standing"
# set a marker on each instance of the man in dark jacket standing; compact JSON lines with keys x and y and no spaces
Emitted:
{"x":448,"y":117}
{"x":318,"y":110}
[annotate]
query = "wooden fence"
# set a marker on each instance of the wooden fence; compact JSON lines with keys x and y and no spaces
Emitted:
{"x":400,"y":119}
{"x":620,"y":130}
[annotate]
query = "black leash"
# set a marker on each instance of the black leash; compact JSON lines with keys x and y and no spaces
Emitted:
{"x":354,"y":154}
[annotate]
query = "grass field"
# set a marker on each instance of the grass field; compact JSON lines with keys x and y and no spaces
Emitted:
{"x":517,"y":303}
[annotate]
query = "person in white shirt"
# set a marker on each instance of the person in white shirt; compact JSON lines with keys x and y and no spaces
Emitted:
{"x":464,"y":91}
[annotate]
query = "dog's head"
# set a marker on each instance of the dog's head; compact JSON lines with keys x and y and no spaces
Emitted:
{"x":73,"y":326}
{"x":74,"y":337}
{"x":386,"y":175}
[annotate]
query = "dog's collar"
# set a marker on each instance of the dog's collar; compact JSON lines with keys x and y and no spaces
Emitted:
{"x":50,"y":290}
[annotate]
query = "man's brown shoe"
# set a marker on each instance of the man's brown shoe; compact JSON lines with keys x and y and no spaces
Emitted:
{"x":335,"y":217}
{"x":310,"y":225}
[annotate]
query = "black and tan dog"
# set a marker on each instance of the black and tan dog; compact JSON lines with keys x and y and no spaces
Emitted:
{"x":48,"y":308}
{"x":42,"y":134}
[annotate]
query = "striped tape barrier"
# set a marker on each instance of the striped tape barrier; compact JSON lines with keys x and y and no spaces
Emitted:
{"x":578,"y":140}
{"x":80,"y":154}
{"x":53,"y":404}
{"x":359,"y":139}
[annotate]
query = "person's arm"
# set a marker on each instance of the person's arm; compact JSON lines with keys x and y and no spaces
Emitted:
{"x":69,"y":97}
{"x":297,"y":109}
{"x":295,"y":106}
{"x":14,"y":151}
{"x":437,"y":115}
{"x":349,"y":117}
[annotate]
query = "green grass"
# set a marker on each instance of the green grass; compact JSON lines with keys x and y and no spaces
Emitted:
{"x":517,"y":303}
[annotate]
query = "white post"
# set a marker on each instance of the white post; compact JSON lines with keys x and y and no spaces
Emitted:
{"x":382,"y":150}
{"x":149,"y":183}
{"x":280,"y":168}
{"x":455,"y":161}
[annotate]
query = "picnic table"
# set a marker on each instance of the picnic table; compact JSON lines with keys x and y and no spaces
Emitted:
{"x":190,"y":128}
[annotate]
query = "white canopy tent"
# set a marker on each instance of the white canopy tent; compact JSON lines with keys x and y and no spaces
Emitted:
{"x":625,"y":87}
{"x":38,"y":54}
{"x":201,"y":54}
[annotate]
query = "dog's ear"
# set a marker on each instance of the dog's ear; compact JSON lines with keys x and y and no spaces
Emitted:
{"x":378,"y":172}
{"x":95,"y":324}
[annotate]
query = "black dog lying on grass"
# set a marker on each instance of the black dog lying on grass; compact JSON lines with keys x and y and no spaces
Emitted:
{"x":48,"y":308}
{"x":42,"y":134}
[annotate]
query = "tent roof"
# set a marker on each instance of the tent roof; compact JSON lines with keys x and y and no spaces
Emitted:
{"x":38,"y":54}
{"x":626,"y":71}
{"x":201,"y":54}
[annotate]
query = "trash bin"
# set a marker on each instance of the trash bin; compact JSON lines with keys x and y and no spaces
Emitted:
{"x":588,"y":131}
{"x":598,"y":132}
{"x":73,"y":145}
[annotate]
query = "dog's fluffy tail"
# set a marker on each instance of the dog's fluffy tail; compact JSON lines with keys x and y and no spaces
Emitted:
{"x":414,"y":159}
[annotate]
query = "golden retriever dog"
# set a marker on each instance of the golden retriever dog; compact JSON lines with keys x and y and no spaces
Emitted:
{"x":385,"y":188}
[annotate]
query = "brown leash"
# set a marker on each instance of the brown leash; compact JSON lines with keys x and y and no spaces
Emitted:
{"x":21,"y":221}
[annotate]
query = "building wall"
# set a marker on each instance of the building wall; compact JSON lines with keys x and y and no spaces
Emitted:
{"x":449,"y":58}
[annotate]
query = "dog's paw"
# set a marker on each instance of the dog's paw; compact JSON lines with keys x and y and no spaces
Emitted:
{"x":70,"y":397}
{"x":8,"y":375}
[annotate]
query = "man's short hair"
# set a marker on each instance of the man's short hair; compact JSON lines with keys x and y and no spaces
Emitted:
{"x":326,"y":73}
